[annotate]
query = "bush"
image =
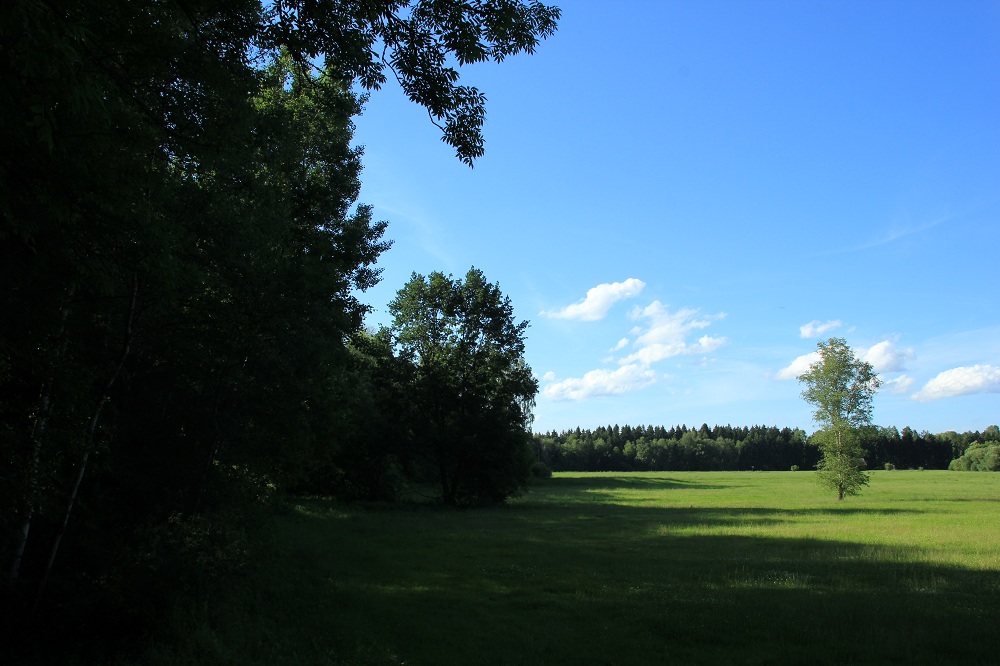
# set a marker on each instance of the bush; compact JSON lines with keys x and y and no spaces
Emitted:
{"x":540,"y":470}
{"x":889,"y":467}
{"x":978,"y":458}
{"x":795,"y":468}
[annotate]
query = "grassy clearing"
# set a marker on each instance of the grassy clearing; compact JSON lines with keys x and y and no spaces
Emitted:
{"x":754,"y":568}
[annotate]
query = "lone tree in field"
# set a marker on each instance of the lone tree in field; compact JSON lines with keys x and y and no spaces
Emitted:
{"x":840,"y":387}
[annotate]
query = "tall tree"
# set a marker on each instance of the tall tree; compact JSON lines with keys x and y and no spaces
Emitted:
{"x":840,"y":387}
{"x":472,"y":385}
{"x":180,"y":248}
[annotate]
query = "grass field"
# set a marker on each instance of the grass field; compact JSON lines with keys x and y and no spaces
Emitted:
{"x":659,"y":568}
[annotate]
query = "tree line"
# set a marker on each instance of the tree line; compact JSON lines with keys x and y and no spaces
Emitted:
{"x":656,"y":448}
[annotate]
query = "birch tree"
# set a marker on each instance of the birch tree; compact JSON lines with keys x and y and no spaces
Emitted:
{"x":840,"y":387}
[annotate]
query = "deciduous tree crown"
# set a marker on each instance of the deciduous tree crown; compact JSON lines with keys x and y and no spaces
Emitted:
{"x":841,"y":388}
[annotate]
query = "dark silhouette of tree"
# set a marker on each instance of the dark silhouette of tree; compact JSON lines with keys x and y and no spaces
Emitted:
{"x":471,"y":384}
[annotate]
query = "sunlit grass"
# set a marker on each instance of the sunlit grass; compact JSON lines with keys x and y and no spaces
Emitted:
{"x":630,"y":569}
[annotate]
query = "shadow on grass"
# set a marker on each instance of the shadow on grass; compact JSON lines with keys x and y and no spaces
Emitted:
{"x":616,"y":585}
{"x":960,"y":500}
{"x":627,"y":481}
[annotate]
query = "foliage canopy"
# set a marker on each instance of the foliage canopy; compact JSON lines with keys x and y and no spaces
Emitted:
{"x":979,"y":457}
{"x":181,"y":252}
{"x":472,"y":383}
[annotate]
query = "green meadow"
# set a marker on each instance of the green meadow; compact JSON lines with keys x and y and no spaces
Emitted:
{"x":657,"y":568}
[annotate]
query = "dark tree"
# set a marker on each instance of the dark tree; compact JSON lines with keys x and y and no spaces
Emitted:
{"x":471,"y":385}
{"x":180,"y":257}
{"x":417,"y":41}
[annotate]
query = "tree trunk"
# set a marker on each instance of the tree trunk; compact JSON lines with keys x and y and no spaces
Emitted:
{"x":37,"y":437}
{"x":88,"y":441}
{"x":447,"y":485}
{"x":37,"y":434}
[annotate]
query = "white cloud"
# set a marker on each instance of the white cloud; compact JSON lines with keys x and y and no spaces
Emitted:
{"x":885,"y":357}
{"x":899,"y":385}
{"x":666,"y":333}
{"x":661,"y":334}
{"x":799,"y":366}
{"x":816,"y":328}
{"x":598,"y":301}
{"x":658,"y":351}
{"x":549,"y":376}
{"x":601,"y":382}
{"x":961,"y":381}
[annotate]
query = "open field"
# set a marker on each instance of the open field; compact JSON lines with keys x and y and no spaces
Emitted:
{"x":685,"y":568}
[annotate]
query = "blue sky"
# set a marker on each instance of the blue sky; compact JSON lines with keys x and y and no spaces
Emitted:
{"x":684,"y":197}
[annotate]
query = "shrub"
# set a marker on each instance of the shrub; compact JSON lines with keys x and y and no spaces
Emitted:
{"x":795,"y":468}
{"x":979,"y":457}
{"x":540,"y":470}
